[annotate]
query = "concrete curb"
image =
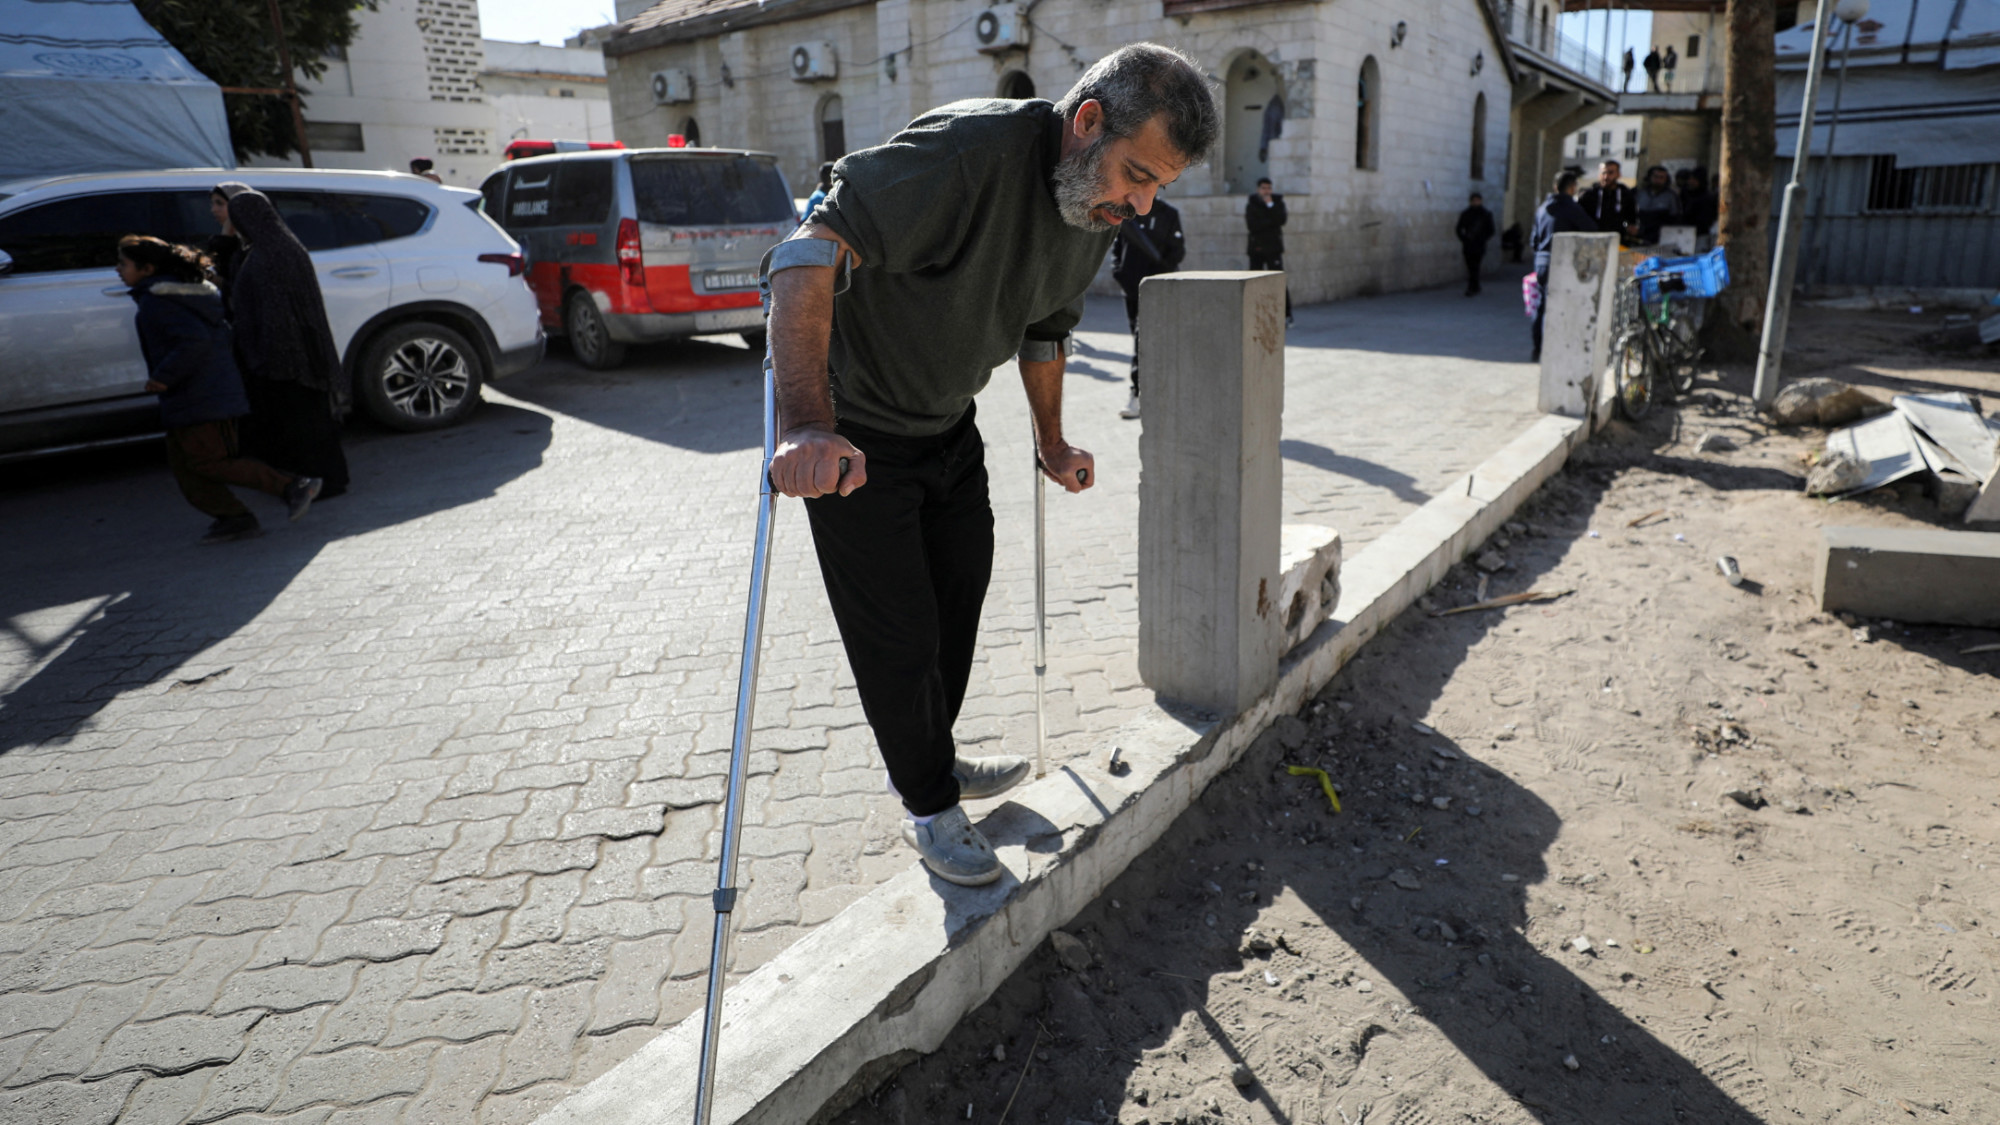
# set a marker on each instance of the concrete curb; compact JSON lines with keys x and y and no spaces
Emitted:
{"x":889,"y":977}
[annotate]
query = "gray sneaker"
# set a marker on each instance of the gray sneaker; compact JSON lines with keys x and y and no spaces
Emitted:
{"x":980,"y":778}
{"x":953,"y":849}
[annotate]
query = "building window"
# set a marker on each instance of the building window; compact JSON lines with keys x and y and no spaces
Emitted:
{"x":565,"y":92}
{"x":1368,"y":115}
{"x":1479,"y":137}
{"x":334,"y":136}
{"x":1694,"y":47}
{"x":1017,"y":85}
{"x":1253,"y":115}
{"x":832,"y":129}
{"x":1954,"y":187}
{"x":1583,"y":144}
{"x":1604,"y":143}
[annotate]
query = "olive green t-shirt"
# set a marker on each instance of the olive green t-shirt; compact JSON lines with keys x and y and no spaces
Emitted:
{"x":963,"y":254}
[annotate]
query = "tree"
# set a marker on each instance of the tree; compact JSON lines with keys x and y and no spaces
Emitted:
{"x":230,"y":41}
{"x":1749,"y":149}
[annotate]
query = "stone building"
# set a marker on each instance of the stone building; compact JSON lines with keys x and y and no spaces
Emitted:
{"x":1391,"y":114}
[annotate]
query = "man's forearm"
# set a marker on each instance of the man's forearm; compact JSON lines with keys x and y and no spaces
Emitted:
{"x":801,"y":324}
{"x":1043,"y":381}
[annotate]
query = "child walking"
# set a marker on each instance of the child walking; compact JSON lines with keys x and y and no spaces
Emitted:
{"x":189,"y":365}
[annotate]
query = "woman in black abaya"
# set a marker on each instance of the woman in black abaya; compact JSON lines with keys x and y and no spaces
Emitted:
{"x":291,"y":369}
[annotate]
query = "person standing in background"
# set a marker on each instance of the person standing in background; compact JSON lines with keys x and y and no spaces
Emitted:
{"x":1150,"y":244}
{"x":1625,"y":84}
{"x":1264,"y":215}
{"x":1667,"y":64}
{"x":1653,"y":71}
{"x":1475,"y":230}
{"x":284,"y":346}
{"x":1559,"y":213}
{"x":1610,"y":202}
{"x":819,"y":193}
{"x":421,"y":166}
{"x":1656,"y":204}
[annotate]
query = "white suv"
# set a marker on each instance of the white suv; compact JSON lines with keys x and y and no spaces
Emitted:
{"x":427,"y":296}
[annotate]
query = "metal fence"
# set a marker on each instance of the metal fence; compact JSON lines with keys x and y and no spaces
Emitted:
{"x":1543,"y":36}
{"x":1871,"y":223}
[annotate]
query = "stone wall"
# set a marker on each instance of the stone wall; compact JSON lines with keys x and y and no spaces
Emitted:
{"x":1352,"y":231}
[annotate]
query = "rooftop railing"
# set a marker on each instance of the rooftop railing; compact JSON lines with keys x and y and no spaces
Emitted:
{"x":1541,"y":35}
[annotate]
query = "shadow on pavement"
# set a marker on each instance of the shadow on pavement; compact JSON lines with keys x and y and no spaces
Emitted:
{"x":1368,"y":472}
{"x":105,"y":589}
{"x":702,"y":395}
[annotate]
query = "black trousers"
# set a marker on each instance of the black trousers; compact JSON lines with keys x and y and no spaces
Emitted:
{"x":292,"y":427}
{"x":1475,"y":253}
{"x":906,"y":560}
{"x":1541,"y":311}
{"x":1131,"y":289}
{"x":206,"y":459}
{"x":1274,"y":262}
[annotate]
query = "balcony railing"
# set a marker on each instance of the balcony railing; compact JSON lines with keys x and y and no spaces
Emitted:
{"x":1542,"y":36}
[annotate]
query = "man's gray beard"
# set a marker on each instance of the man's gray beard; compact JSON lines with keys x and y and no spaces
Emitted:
{"x":1081,"y":187}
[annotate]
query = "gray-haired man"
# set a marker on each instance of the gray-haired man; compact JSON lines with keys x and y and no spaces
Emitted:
{"x":972,"y":235}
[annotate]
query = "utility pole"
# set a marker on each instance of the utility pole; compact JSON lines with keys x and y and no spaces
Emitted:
{"x":1850,"y":13}
{"x":1749,"y":146}
{"x":1778,"y":305}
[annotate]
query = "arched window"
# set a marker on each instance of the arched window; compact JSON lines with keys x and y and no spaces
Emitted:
{"x":1017,"y":85}
{"x":1253,"y":117}
{"x":1368,"y":116}
{"x":1479,"y":138}
{"x":692,"y":131}
{"x":832,"y":129}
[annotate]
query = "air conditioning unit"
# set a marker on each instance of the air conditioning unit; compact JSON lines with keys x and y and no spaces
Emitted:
{"x":1003,"y":27}
{"x":814,"y":62}
{"x":672,"y":87}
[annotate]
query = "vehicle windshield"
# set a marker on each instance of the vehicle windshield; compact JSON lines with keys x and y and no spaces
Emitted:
{"x":710,"y":191}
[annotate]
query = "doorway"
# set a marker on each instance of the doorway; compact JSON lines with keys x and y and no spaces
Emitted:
{"x":832,"y":129}
{"x":1251,"y":86}
{"x":1017,"y":85}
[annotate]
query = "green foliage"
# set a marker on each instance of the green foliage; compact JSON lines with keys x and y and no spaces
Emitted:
{"x":230,"y":41}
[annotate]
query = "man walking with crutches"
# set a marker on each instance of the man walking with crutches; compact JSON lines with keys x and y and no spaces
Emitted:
{"x":970,"y":236}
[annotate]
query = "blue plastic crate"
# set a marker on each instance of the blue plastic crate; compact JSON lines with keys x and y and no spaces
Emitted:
{"x":1706,"y":275}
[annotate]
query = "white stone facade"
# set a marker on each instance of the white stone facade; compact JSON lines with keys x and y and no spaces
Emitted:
{"x":413,"y":83}
{"x":1352,"y":230}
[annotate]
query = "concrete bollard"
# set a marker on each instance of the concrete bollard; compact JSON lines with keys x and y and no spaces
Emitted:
{"x":1576,"y":332}
{"x":1211,"y":625}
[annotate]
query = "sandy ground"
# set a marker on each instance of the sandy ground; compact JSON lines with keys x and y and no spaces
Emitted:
{"x":1541,"y":902}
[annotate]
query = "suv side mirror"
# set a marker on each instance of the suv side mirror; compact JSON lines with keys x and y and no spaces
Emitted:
{"x":6,"y":263}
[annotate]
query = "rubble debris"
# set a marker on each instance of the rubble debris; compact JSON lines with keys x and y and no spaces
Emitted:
{"x":1822,"y":402}
{"x":1073,"y":954}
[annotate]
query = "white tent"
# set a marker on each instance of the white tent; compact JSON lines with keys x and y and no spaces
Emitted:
{"x":89,"y":86}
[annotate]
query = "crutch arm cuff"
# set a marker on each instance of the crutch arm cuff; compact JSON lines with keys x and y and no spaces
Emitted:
{"x":1042,"y":351}
{"x":794,"y":253}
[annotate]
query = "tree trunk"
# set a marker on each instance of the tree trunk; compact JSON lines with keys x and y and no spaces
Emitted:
{"x":1749,"y":152}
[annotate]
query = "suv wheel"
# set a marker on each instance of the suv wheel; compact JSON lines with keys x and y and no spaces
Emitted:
{"x":589,"y":339}
{"x":420,"y":376}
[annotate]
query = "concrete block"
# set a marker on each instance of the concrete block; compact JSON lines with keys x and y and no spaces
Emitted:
{"x":1308,"y":578}
{"x":1210,"y":619}
{"x":1936,"y":577}
{"x":1576,"y":331}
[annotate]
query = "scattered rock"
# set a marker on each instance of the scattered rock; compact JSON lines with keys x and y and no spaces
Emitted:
{"x":1242,"y":1076}
{"x":1257,"y":943}
{"x":1838,"y":471}
{"x":1405,"y":878}
{"x":1363,"y":986}
{"x":1440,"y":803}
{"x":1071,"y":952}
{"x":1473,"y":810}
{"x":1515,"y":528}
{"x":1445,"y":931}
{"x":999,"y":1052}
{"x":1490,"y":562}
{"x":1570,"y":1062}
{"x":1581,"y":944}
{"x":1423,"y":728}
{"x":1270,"y":978}
{"x":1290,"y":731}
{"x":1714,"y":443}
{"x":1749,"y":798}
{"x":1822,"y":402}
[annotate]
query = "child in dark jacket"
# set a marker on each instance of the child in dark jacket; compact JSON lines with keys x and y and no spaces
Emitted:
{"x":189,"y":365}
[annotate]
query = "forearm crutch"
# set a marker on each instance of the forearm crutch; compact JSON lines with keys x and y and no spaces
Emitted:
{"x":786,"y":255}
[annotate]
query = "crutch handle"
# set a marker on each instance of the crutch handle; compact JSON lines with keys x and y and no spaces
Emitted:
{"x":1083,"y":477}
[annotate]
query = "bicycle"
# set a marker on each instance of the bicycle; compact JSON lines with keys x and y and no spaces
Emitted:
{"x":1657,"y":352}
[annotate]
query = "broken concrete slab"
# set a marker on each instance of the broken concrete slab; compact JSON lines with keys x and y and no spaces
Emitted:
{"x":1308,"y":578}
{"x":1911,"y":574}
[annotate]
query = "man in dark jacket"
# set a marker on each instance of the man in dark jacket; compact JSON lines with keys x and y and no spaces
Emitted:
{"x":1475,"y":230}
{"x":1653,"y":70}
{"x":1611,"y":205}
{"x":1150,"y":244}
{"x":1264,"y":214}
{"x":1558,"y":214}
{"x":185,"y":342}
